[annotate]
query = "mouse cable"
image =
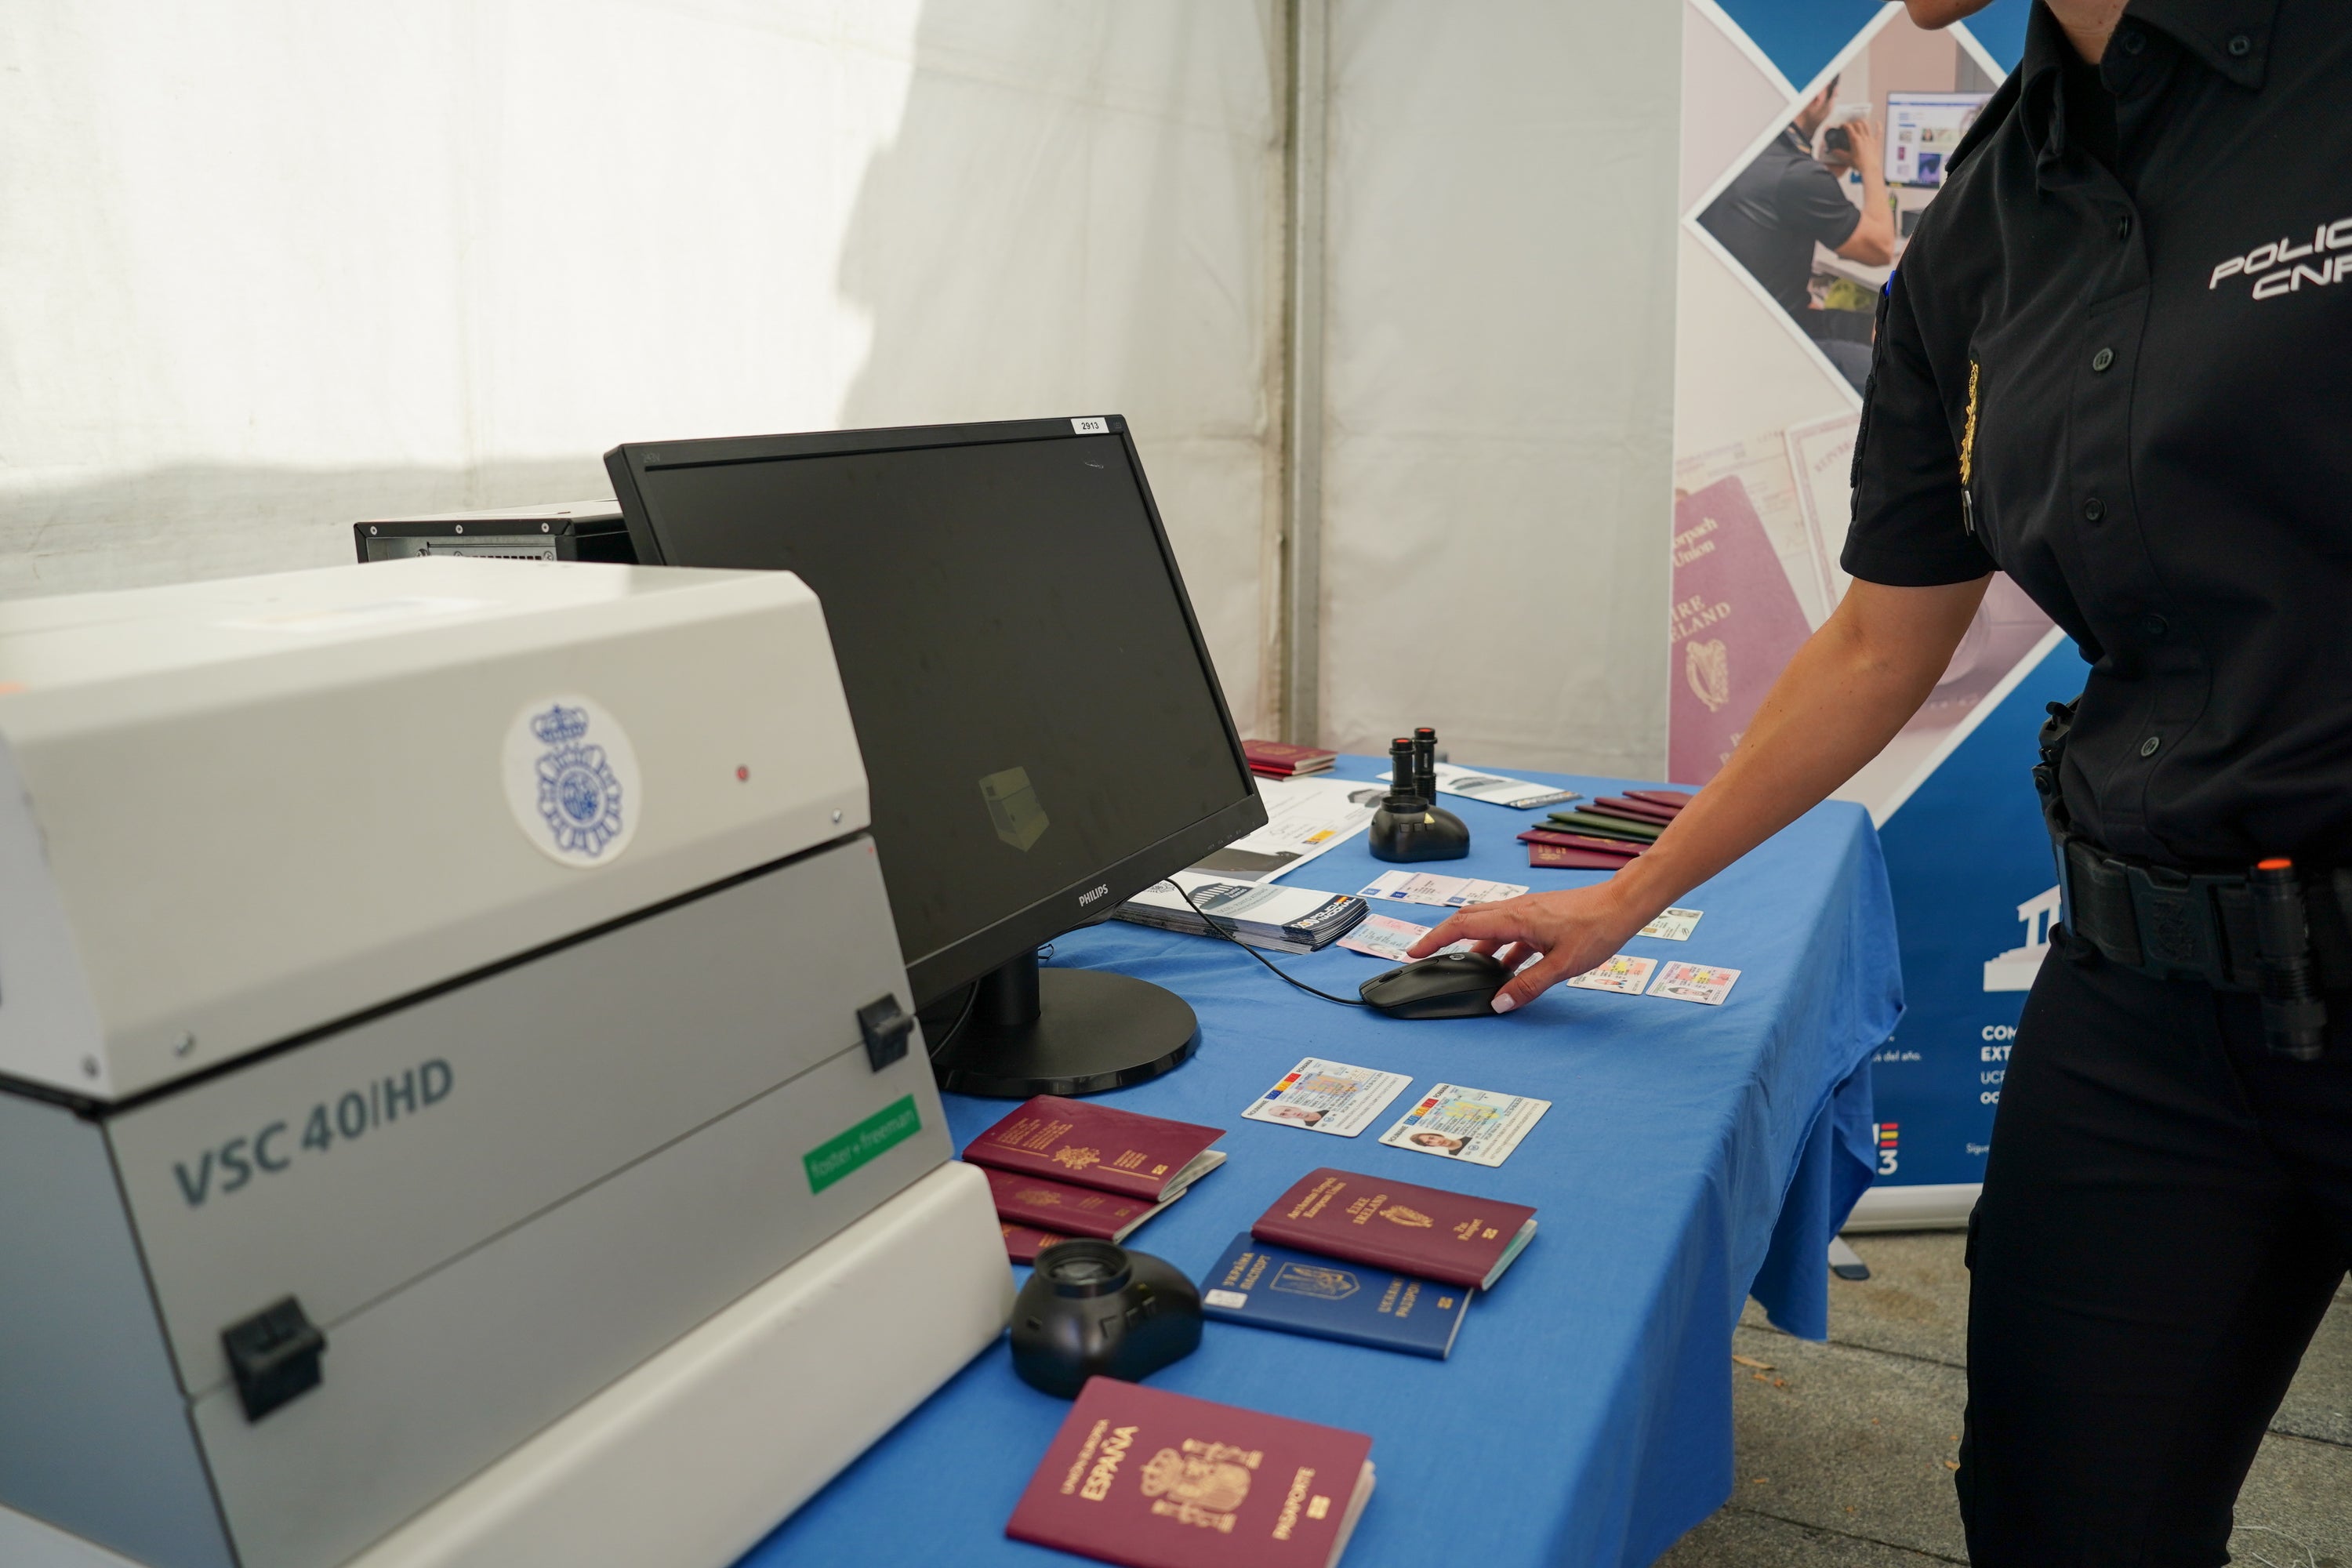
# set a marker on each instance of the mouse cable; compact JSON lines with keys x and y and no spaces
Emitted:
{"x":1286,"y":979}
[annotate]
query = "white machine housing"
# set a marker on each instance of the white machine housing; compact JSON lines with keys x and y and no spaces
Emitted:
{"x":572,"y":1146}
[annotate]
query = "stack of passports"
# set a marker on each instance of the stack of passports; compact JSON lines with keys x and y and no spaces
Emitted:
{"x":1607,"y":833}
{"x":1061,"y":1168}
{"x":1451,"y":1237}
{"x":1282,"y":1288}
{"x":1276,"y":760}
{"x":1595,"y":823}
{"x":1370,"y":1262}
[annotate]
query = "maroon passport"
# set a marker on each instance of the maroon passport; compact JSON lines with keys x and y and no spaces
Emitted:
{"x":1282,"y":759}
{"x":1435,"y":1234}
{"x":1672,"y":799}
{"x":1621,"y":848}
{"x":1147,"y":1157}
{"x":1560,"y":857}
{"x":1068,"y":1210}
{"x":1023,"y":1243}
{"x":1641,"y":810}
{"x":1153,"y":1479}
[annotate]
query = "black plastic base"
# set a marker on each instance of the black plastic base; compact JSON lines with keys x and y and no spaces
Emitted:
{"x":1417,"y":832}
{"x":1066,"y":1031}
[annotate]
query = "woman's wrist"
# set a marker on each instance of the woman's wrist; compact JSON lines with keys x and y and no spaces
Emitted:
{"x":1640,"y":890}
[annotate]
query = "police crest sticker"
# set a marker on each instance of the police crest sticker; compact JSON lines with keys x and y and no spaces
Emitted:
{"x":571,"y":781}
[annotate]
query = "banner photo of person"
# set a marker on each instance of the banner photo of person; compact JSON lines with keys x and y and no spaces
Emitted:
{"x":1816,"y":135}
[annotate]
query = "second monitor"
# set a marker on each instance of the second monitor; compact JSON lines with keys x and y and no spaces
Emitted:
{"x":1044,"y":732}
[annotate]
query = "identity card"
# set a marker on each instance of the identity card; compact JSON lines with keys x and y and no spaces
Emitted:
{"x":1328,"y":1097}
{"x":1674,"y":925}
{"x":1471,"y":1124}
{"x":1429,"y":888}
{"x":1695,"y":983}
{"x":1384,"y":936}
{"x":1625,"y":974}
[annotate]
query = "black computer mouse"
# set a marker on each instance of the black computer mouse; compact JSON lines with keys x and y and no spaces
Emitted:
{"x":1446,"y":985}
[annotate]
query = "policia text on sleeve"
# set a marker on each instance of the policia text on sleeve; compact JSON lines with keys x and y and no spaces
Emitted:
{"x":2117,"y":364}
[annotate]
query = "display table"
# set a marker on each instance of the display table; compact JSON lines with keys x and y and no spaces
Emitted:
{"x":1692,"y":1154}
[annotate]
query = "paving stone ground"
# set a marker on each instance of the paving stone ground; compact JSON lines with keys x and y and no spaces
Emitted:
{"x":1844,"y":1448}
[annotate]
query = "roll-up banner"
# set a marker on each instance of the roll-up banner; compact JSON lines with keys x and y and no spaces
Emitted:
{"x":1815,"y":133}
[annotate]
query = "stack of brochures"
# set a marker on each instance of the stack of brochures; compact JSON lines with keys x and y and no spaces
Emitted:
{"x":1280,"y":919}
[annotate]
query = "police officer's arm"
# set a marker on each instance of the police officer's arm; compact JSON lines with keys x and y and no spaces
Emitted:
{"x":1851,"y":686}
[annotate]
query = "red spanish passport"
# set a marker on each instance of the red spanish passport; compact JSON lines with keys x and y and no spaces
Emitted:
{"x":1137,"y":1156}
{"x":1427,"y":1231}
{"x":1153,"y":1479}
{"x":1068,"y":1210}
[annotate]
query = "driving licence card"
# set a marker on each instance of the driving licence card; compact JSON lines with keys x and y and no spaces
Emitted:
{"x":1674,"y":925}
{"x":1694,"y":982}
{"x":1625,"y":974}
{"x":1446,"y":893}
{"x":1328,"y":1097}
{"x":1474,"y":1125}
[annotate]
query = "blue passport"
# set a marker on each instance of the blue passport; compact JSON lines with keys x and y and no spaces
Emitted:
{"x":1307,"y":1293}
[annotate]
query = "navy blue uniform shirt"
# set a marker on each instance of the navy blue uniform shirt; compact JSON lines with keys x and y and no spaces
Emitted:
{"x":2117,"y":364}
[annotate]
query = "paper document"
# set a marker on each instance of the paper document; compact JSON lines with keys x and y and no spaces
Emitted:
{"x":1304,"y":817}
{"x":1496,"y":790}
{"x":1429,"y":888}
{"x":1328,"y":1097}
{"x":1473,"y":1124}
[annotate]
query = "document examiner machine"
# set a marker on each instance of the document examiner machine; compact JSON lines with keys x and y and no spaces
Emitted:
{"x":460,"y":1097}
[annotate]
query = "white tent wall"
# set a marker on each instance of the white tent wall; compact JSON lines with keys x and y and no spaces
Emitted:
{"x":266,"y":267}
{"x":1500,"y":323}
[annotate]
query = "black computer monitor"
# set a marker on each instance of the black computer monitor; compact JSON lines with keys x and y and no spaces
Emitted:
{"x":1044,"y":732}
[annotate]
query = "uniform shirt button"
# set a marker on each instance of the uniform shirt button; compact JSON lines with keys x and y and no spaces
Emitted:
{"x":2133,"y":40}
{"x":2094,"y":509}
{"x":2241,"y":45}
{"x":2154,"y":627}
{"x":2122,"y":226}
{"x":2103,"y":359}
{"x":2147,"y":747}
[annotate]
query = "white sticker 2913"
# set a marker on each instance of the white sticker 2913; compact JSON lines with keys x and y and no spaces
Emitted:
{"x":1094,"y":425}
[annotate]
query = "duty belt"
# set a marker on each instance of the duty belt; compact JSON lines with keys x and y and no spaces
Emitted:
{"x":2278,"y":930}
{"x":2186,"y":925}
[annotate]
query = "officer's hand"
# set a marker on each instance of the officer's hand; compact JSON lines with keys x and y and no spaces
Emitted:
{"x":1575,"y":930}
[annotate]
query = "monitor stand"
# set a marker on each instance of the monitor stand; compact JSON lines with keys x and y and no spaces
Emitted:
{"x":1035,"y":1030}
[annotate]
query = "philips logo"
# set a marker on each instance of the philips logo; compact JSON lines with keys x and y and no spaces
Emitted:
{"x":2280,"y":267}
{"x":1101,"y":892}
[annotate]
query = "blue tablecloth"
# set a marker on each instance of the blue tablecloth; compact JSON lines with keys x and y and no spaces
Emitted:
{"x":1691,"y":1155}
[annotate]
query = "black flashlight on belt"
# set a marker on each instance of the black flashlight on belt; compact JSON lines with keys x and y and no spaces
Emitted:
{"x":2294,"y":1014}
